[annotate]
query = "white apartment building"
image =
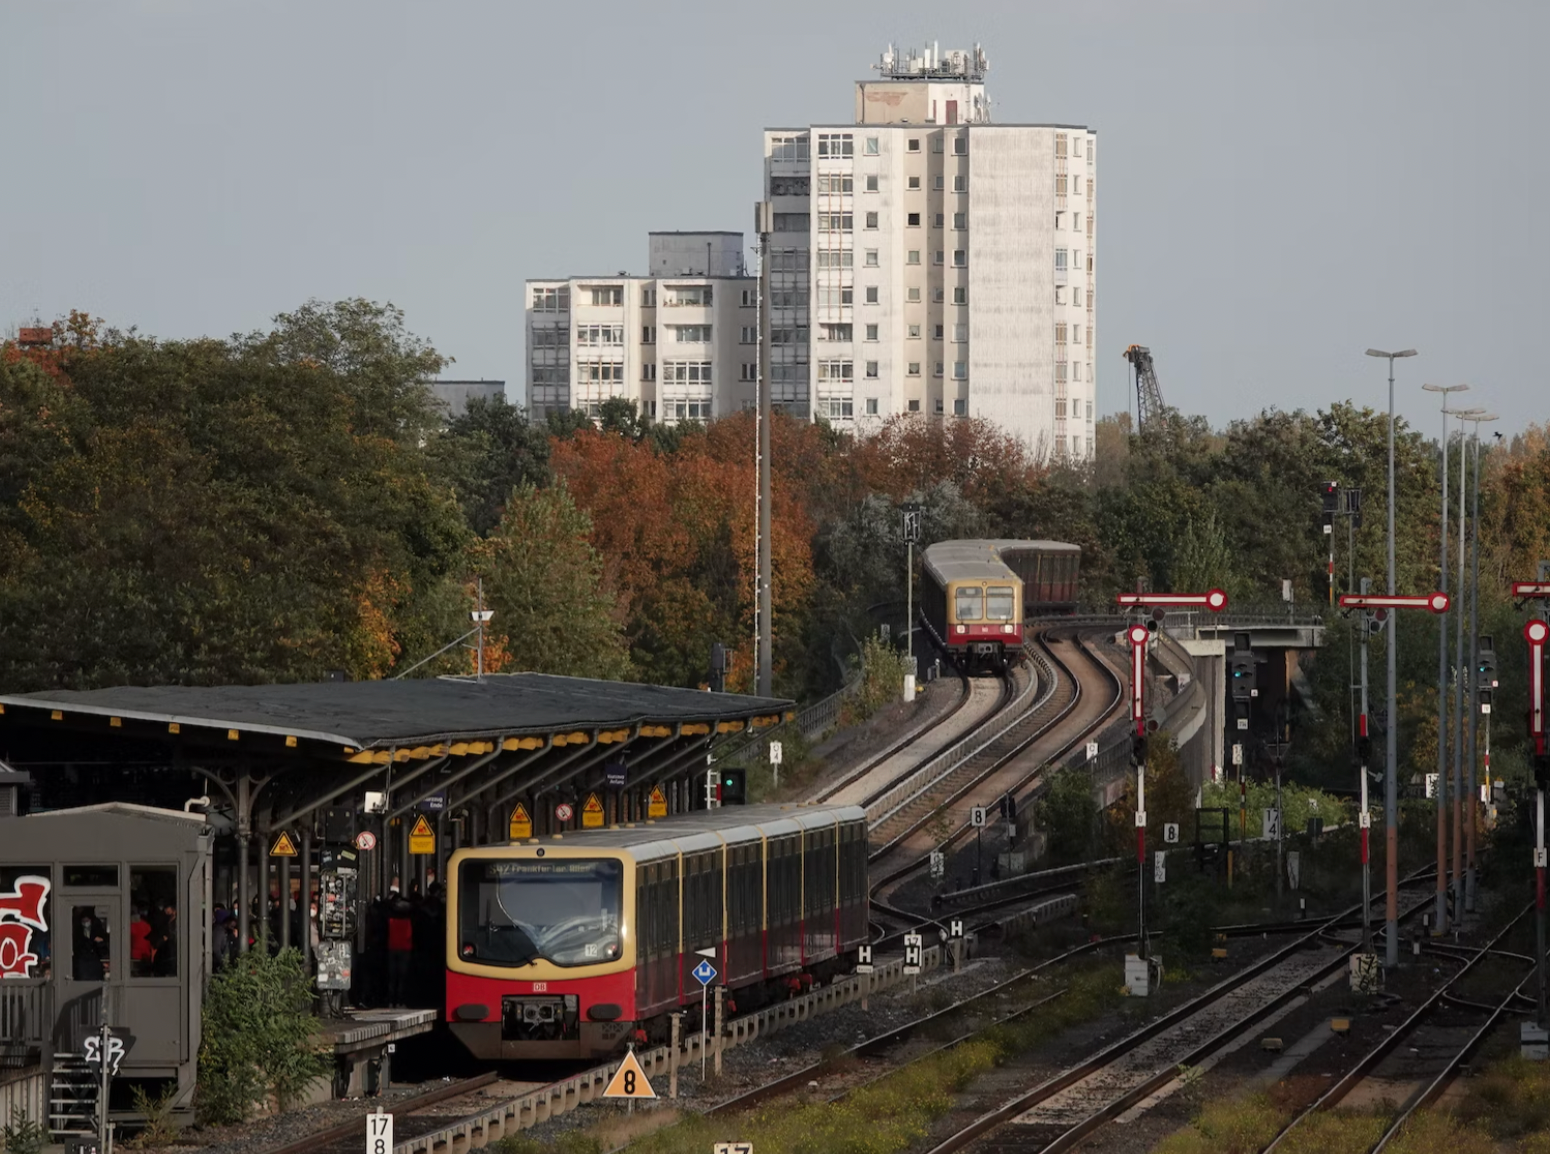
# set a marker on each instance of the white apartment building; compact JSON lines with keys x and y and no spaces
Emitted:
{"x":924,"y":259}
{"x":682,"y":342}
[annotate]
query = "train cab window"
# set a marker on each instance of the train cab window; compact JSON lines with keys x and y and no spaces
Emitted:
{"x":1000,"y":603}
{"x":90,"y":943}
{"x":515,"y":911}
{"x":969,"y":603}
{"x":153,"y":925}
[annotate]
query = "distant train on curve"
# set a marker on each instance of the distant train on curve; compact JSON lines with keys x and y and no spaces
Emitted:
{"x":574,"y":945}
{"x":976,"y":596}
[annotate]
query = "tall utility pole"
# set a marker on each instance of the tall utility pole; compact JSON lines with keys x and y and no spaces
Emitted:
{"x":1440,"y":911}
{"x":1363,"y":758}
{"x":1459,"y":678}
{"x":1474,"y":674}
{"x":764,"y":658}
{"x":1391,"y":735}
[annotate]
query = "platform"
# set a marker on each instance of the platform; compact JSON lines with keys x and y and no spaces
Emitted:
{"x":360,"y":1042}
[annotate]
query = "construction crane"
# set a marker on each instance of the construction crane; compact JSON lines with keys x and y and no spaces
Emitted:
{"x":1149,"y":402}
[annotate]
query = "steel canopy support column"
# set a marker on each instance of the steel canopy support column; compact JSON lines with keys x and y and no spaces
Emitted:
{"x":244,"y":879}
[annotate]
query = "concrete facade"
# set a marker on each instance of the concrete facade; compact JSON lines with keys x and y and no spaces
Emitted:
{"x":925,"y":260}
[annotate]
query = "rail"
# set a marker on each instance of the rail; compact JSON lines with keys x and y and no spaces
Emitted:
{"x":26,"y":1012}
{"x":928,"y":775}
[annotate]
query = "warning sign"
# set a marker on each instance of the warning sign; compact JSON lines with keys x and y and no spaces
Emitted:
{"x":521,"y":823}
{"x":657,"y":805}
{"x":592,"y":817}
{"x":422,"y":839}
{"x":629,"y":1080}
{"x":283,"y":846}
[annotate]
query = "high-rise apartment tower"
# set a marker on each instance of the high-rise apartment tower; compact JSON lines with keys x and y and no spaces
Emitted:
{"x":925,"y":259}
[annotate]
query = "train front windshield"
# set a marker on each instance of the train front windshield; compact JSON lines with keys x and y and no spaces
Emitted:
{"x":1000,"y":603}
{"x":565,"y":911}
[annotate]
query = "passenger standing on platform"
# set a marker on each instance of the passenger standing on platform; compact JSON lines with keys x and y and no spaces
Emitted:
{"x":166,"y":964}
{"x":140,"y":951}
{"x":373,"y":967}
{"x":400,"y":950}
{"x":90,"y":953}
{"x":223,"y":939}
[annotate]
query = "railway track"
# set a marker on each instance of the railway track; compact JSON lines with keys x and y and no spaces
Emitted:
{"x":409,"y":1115}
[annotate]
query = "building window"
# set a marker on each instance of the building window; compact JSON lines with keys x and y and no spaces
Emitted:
{"x":937,"y":334}
{"x":648,"y":371}
{"x":1060,"y":184}
{"x":913,"y":257}
{"x":960,"y":184}
{"x":961,"y":146}
{"x":648,"y":334}
{"x":681,"y":296}
{"x":749,"y":372}
{"x":551,"y":300}
{"x":1060,"y":372}
{"x":871,"y":258}
{"x":960,"y":333}
{"x":748,"y":335}
{"x":832,"y":297}
{"x":791,"y":222}
{"x":936,"y":295}
{"x":913,"y":293}
{"x":913,"y":220}
{"x":939,"y":256}
{"x":835,"y":184}
{"x":788,"y":148}
{"x":937,"y":372}
{"x":788,"y":186}
{"x":1076,"y":221}
{"x":914,"y":406}
{"x":1076,"y":370}
{"x":914,"y":144}
{"x":939,"y":219}
{"x":690,"y":334}
{"x":871,"y":370}
{"x":1076,"y":334}
{"x":936,"y":145}
{"x":1060,"y":295}
{"x":843,"y":371}
{"x":648,"y":298}
{"x":789,"y":259}
{"x":871,"y":183}
{"x":960,"y":258}
{"x":834,"y":222}
{"x":1060,"y":332}
{"x":937,"y":183}
{"x":1060,"y":260}
{"x":960,"y":370}
{"x":914,"y":184}
{"x":788,"y":298}
{"x":914,"y":332}
{"x":835,"y":258}
{"x":789,"y":336}
{"x":836,"y":332}
{"x":871,"y":146}
{"x":608,"y":296}
{"x":871,"y":406}
{"x":960,"y":407}
{"x":960,"y":220}
{"x":871,"y":220}
{"x":871,"y":294}
{"x":914,"y":369}
{"x":1089,"y":410}
{"x":939,"y":403}
{"x":686,"y":372}
{"x":835,"y":144}
{"x":550,"y":337}
{"x":750,"y":298}
{"x":960,"y":295}
{"x":594,"y":335}
{"x":871,"y":332}
{"x":837,"y":407}
{"x":600,"y":372}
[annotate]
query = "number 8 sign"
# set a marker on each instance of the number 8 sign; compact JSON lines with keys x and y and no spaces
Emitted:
{"x":379,"y":1133}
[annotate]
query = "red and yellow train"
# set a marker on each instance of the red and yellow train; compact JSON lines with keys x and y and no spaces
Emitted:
{"x":573,"y":945}
{"x":976,"y":596}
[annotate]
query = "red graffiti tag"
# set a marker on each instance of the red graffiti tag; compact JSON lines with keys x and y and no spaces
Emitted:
{"x":21,"y":912}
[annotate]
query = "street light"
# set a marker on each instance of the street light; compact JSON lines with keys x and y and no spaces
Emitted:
{"x":1440,"y":920}
{"x":1458,"y":674}
{"x":1391,"y":738}
{"x":1478,"y":419}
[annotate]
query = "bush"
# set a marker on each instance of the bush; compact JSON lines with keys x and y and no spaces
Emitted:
{"x":259,"y":1037}
{"x":22,"y":1135}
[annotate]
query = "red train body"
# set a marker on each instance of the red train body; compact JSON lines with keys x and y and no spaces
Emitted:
{"x":570,"y":947}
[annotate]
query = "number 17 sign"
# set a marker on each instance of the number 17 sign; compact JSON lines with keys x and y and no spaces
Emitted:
{"x":379,"y":1133}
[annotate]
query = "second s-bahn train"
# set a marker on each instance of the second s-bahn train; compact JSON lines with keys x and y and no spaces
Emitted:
{"x":977,"y":595}
{"x":572,"y":946}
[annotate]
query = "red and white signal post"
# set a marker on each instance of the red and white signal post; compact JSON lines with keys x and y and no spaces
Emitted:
{"x":1380,"y":605}
{"x":1536,"y":633}
{"x":1139,"y":636}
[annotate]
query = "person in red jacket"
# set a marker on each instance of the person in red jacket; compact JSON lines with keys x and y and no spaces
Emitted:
{"x":141,"y":952}
{"x":400,"y":945}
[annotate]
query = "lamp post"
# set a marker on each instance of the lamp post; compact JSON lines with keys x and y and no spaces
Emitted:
{"x":1391,"y":739}
{"x":1477,"y":420}
{"x":1459,"y":675}
{"x":1440,"y":912}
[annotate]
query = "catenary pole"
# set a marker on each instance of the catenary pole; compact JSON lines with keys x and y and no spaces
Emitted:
{"x":765,"y":644}
{"x":1474,"y":673}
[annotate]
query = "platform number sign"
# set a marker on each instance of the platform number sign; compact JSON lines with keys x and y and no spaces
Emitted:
{"x":977,"y":816}
{"x":912,"y":953}
{"x":1171,"y":832}
{"x":379,"y":1133}
{"x":733,"y":1148}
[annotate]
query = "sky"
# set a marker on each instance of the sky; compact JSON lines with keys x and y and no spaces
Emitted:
{"x":1281,"y":185}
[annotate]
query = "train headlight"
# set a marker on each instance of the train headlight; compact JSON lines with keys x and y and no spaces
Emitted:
{"x":1008,"y":629}
{"x":960,"y":628}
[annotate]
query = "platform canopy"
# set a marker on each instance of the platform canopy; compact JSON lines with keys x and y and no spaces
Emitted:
{"x":402,"y":720}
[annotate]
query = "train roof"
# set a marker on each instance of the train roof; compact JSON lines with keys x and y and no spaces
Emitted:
{"x":696,"y":830}
{"x":979,"y":559}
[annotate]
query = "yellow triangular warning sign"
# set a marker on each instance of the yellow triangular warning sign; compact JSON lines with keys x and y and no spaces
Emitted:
{"x":283,"y":846}
{"x":629,"y":1080}
{"x":657,"y":805}
{"x":521,"y":823}
{"x":594,"y":805}
{"x":592,"y":812}
{"x":422,"y":828}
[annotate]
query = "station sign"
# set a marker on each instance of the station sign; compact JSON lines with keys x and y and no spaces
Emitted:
{"x":614,"y":774}
{"x":521,"y":827}
{"x":592,"y":816}
{"x":422,"y":838}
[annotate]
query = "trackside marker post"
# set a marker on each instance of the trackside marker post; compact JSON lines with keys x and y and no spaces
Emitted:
{"x":379,"y":1132}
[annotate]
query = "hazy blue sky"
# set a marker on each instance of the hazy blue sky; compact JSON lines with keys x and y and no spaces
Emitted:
{"x":1281,"y":185}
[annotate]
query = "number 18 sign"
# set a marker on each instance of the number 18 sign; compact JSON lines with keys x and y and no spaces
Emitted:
{"x":379,"y":1133}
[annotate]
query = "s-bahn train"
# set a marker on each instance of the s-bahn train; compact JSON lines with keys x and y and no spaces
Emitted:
{"x":977,"y":595}
{"x":573,"y":945}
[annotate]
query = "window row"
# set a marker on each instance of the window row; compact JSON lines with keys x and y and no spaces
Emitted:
{"x":678,"y":296}
{"x":686,"y":372}
{"x":836,"y":221}
{"x":592,"y":335}
{"x":836,"y":144}
{"x":789,"y":147}
{"x":551,"y":300}
{"x":690,"y":334}
{"x":835,"y":183}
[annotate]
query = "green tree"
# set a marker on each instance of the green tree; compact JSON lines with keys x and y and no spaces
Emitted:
{"x":544,"y":580}
{"x":498,"y":449}
{"x":1068,"y":814}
